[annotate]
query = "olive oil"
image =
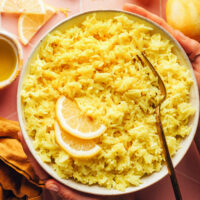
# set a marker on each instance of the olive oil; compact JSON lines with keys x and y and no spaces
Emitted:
{"x":8,"y":60}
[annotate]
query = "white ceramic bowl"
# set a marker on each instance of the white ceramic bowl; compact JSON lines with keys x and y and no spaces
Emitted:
{"x":148,"y":180}
{"x":11,"y":40}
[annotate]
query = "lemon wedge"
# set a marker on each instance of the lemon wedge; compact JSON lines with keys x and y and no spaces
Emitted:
{"x":22,"y":6}
{"x":29,"y":24}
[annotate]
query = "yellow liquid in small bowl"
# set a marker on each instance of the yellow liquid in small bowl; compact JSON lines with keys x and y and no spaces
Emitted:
{"x":8,"y":60}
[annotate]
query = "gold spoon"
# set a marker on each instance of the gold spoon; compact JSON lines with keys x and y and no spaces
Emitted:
{"x":143,"y":59}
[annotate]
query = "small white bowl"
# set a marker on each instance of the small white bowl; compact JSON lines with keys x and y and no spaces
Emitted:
{"x":147,"y":180}
{"x":11,"y":40}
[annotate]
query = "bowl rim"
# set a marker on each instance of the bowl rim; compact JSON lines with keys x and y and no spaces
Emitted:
{"x":86,"y":188}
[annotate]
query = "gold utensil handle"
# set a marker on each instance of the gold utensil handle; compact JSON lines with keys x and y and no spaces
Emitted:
{"x":167,"y":156}
{"x":197,"y":139}
{"x":143,"y":59}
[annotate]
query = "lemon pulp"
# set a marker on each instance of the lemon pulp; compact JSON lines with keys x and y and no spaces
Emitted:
{"x":8,"y":60}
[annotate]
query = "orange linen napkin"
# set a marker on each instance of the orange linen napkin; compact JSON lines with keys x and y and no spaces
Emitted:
{"x":17,"y":178}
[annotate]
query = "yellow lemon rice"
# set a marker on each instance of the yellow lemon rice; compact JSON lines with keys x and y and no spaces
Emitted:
{"x":95,"y":64}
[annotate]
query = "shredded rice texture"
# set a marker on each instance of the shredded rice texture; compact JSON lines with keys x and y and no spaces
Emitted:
{"x":95,"y":64}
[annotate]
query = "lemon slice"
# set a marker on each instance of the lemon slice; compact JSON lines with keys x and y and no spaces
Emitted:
{"x":71,"y":120}
{"x":22,"y":6}
{"x":29,"y":24}
{"x":76,"y":147}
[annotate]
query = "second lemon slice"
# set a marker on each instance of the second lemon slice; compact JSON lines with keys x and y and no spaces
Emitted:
{"x":76,"y":147}
{"x":74,"y":122}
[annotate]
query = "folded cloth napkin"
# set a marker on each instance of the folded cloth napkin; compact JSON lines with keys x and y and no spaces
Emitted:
{"x":17,"y":178}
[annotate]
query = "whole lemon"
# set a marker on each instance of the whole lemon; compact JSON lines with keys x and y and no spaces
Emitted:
{"x":184,"y":15}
